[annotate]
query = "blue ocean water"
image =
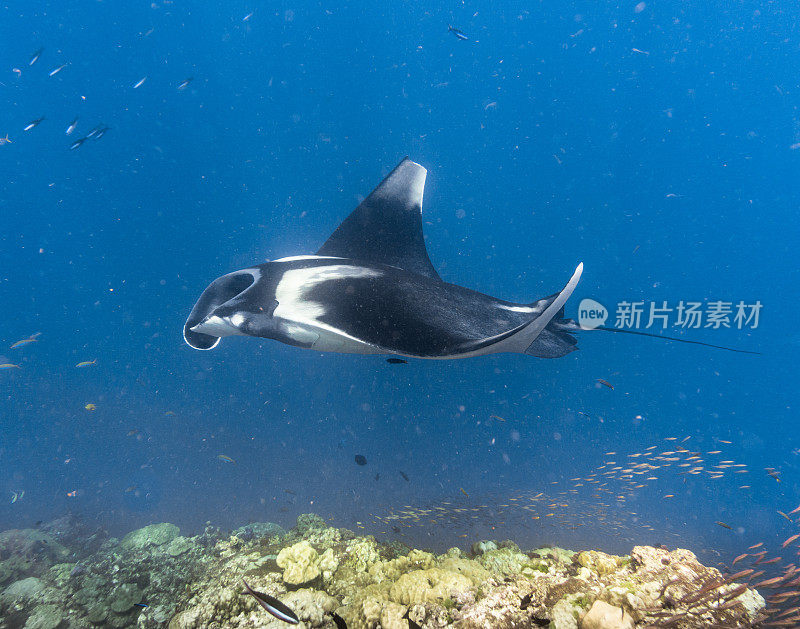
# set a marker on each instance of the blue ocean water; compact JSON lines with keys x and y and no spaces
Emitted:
{"x":654,"y":142}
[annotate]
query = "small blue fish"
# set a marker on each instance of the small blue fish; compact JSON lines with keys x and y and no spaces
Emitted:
{"x":96,"y":131}
{"x":143,"y":605}
{"x":458,"y":33}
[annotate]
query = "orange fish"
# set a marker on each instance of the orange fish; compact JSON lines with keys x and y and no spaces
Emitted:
{"x":739,"y":575}
{"x":769,"y":582}
{"x":790,"y":540}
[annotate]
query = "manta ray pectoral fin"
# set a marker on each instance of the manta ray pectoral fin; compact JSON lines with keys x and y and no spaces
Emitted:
{"x":523,"y":339}
{"x":386,"y":227}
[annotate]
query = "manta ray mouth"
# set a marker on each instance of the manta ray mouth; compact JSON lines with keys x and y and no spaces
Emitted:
{"x":204,"y":328}
{"x":217,"y":326}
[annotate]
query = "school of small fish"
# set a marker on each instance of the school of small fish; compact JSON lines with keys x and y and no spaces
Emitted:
{"x":96,"y":132}
{"x":619,"y":480}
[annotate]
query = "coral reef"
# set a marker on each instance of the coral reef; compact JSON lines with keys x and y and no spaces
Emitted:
{"x":56,"y":577}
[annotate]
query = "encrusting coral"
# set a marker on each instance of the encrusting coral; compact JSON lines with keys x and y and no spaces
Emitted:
{"x":156,"y":578}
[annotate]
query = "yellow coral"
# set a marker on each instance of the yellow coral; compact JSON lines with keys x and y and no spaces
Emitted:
{"x":299,"y":563}
{"x":423,"y":586}
{"x":600,"y":562}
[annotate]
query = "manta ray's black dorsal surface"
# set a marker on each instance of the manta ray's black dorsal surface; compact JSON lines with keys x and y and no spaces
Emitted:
{"x":371,"y":289}
{"x":387,"y":227}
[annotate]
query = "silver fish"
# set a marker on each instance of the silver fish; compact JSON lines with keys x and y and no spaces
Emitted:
{"x":36,"y":56}
{"x":33,"y":123}
{"x":272,"y":605}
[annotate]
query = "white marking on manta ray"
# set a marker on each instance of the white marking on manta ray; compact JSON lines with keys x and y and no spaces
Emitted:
{"x":302,"y":315}
{"x":297,"y":258}
{"x":526,"y":309}
{"x":217,"y":326}
{"x":201,"y":348}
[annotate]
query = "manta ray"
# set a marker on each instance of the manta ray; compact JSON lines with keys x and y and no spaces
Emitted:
{"x":371,"y":289}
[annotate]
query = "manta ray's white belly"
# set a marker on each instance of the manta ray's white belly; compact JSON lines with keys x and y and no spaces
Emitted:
{"x":325,"y":339}
{"x":300,"y":316}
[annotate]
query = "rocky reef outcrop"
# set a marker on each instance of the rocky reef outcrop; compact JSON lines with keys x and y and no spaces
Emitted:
{"x":154,"y":577}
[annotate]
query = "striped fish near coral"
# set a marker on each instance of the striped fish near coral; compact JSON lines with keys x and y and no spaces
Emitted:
{"x":272,"y":605}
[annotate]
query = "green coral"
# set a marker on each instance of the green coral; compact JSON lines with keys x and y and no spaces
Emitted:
{"x":24,"y":589}
{"x":554,"y":553}
{"x":124,"y":597}
{"x":149,"y":536}
{"x":583,"y":600}
{"x":534,"y":566}
{"x":503,"y":560}
{"x":44,"y":617}
{"x":178,"y":546}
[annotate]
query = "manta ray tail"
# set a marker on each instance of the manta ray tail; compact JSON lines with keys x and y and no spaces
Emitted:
{"x":677,"y":340}
{"x":572,"y":326}
{"x":555,"y":340}
{"x":545,"y":335}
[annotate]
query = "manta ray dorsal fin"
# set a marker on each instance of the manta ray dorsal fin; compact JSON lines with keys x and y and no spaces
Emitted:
{"x":387,"y":227}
